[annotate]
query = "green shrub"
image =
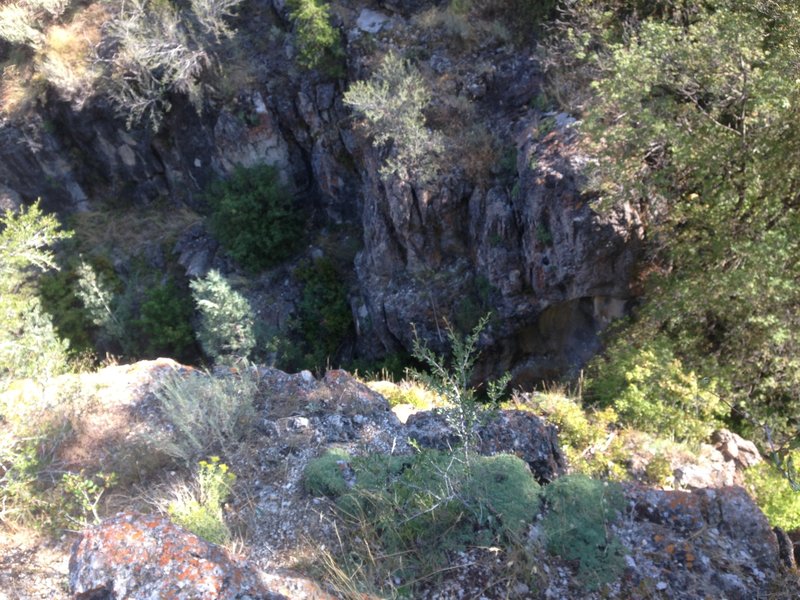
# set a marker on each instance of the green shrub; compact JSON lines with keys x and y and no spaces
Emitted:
{"x":729,"y":310}
{"x":406,"y":392}
{"x":575,"y":526}
{"x":81,"y":495}
{"x":659,"y":470}
{"x":21,"y":461}
{"x":226,"y":319}
{"x":98,"y":291}
{"x":774,"y":494}
{"x":324,"y":315}
{"x":198,"y":508}
{"x":29,"y":346}
{"x":165,"y":321}
{"x":392,"y":102}
{"x":254,"y":217}
{"x":318,"y":43}
{"x":323,"y":475}
{"x":504,"y":493}
{"x":474,"y":303}
{"x":59,"y":298}
{"x":142,"y":316}
{"x":426,"y":506}
{"x":209,"y":414}
{"x":31,"y":494}
{"x":34,"y":489}
{"x":159,"y":51}
{"x":586,"y":435}
{"x":651,"y":390}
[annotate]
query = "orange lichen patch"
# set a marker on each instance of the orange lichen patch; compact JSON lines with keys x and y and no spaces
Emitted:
{"x":165,"y":562}
{"x":680,"y":500}
{"x":670,"y":549}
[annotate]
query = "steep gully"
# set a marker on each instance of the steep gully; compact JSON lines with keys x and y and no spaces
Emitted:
{"x":525,"y":244}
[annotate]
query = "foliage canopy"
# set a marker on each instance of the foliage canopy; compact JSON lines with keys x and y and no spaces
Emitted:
{"x":391,"y":102}
{"x":254,"y":217}
{"x":29,"y":346}
{"x":693,"y":118}
{"x":226,"y":319}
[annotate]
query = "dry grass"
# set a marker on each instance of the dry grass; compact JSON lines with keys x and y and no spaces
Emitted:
{"x":453,"y":24}
{"x":464,"y":30}
{"x":66,"y":57}
{"x":63,"y":59}
{"x":20,"y":88}
{"x":131,"y":230}
{"x":208,"y":415}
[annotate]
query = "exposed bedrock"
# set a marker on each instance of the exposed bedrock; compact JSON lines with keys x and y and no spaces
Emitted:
{"x":525,"y":244}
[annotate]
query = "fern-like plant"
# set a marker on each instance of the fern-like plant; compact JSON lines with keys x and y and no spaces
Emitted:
{"x":450,"y":379}
{"x":226,"y":319}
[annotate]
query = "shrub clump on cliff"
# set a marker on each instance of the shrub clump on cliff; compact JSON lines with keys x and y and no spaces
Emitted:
{"x":254,"y":217}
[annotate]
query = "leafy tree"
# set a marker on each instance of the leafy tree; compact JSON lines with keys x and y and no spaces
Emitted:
{"x":29,"y":346}
{"x":226,"y":319}
{"x":165,"y":321}
{"x":318,"y":43}
{"x":325,"y":317}
{"x":392,"y":102}
{"x":694,"y":117}
{"x":254,"y":217}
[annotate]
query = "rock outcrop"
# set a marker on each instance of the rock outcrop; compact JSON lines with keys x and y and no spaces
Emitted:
{"x":520,"y":240}
{"x":682,"y":545}
{"x":711,"y":543}
{"x":505,"y":432}
{"x":140,"y":556}
{"x":719,"y":465}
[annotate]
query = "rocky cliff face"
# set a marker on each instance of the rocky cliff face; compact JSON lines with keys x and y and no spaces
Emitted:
{"x":520,"y":240}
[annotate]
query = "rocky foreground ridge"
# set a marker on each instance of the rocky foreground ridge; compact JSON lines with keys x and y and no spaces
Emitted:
{"x":702,"y":542}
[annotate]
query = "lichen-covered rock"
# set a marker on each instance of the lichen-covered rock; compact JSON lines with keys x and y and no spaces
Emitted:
{"x":528,"y":437}
{"x":712,"y":543}
{"x":138,"y":556}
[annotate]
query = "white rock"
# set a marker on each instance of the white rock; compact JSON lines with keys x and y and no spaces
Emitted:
{"x":371,"y":21}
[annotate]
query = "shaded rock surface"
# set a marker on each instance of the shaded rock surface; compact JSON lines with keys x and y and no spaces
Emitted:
{"x":505,"y":432}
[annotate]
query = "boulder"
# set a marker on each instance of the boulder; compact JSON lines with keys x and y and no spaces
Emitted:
{"x":720,"y":465}
{"x":710,"y":543}
{"x":737,"y":449}
{"x":144,"y":556}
